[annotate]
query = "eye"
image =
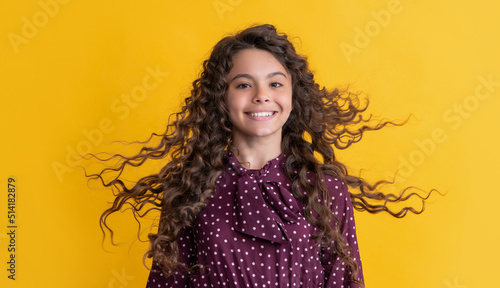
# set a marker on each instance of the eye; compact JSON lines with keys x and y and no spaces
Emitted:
{"x":243,"y":85}
{"x":276,"y":84}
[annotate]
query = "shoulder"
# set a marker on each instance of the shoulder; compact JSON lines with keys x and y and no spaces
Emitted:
{"x":338,"y":191}
{"x":335,"y":186}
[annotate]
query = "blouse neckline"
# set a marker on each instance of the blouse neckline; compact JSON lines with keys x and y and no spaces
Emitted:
{"x":272,"y":164}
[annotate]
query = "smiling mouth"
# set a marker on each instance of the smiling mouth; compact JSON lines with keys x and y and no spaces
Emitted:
{"x":261,"y":114}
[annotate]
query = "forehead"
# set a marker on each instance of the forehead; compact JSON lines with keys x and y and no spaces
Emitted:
{"x":255,"y":60}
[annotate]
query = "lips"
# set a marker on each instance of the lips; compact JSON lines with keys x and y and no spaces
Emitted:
{"x":261,"y":114}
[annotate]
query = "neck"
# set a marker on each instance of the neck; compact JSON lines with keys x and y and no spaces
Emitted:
{"x":254,"y":153}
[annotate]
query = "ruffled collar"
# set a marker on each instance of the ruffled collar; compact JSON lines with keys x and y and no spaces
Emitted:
{"x":275,"y":163}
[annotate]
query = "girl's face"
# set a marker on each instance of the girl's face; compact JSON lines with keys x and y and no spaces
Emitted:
{"x":259,"y":95}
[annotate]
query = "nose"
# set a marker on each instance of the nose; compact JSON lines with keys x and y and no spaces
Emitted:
{"x":261,"y":95}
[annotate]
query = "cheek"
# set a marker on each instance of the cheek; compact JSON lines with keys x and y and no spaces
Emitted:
{"x":287,"y":103}
{"x":233,"y":106}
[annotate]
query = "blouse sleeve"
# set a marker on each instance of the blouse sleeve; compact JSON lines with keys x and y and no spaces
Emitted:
{"x":335,"y":269}
{"x":180,"y":278}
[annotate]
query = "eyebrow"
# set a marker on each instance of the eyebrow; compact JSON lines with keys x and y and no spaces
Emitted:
{"x":270,"y":75}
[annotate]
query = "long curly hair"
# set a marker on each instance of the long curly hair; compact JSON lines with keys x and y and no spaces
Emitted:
{"x":196,"y":140}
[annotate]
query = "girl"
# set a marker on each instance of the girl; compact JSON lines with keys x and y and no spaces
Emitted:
{"x":252,"y":194}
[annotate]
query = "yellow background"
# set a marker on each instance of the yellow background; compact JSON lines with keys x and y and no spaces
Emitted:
{"x":71,"y":74}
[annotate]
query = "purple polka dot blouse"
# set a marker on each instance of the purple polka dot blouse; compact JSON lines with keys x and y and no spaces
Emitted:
{"x":253,"y":233}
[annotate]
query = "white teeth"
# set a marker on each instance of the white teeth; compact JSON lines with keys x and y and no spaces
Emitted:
{"x":261,"y":114}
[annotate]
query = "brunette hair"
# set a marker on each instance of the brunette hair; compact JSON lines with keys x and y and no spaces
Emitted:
{"x":195,"y":143}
